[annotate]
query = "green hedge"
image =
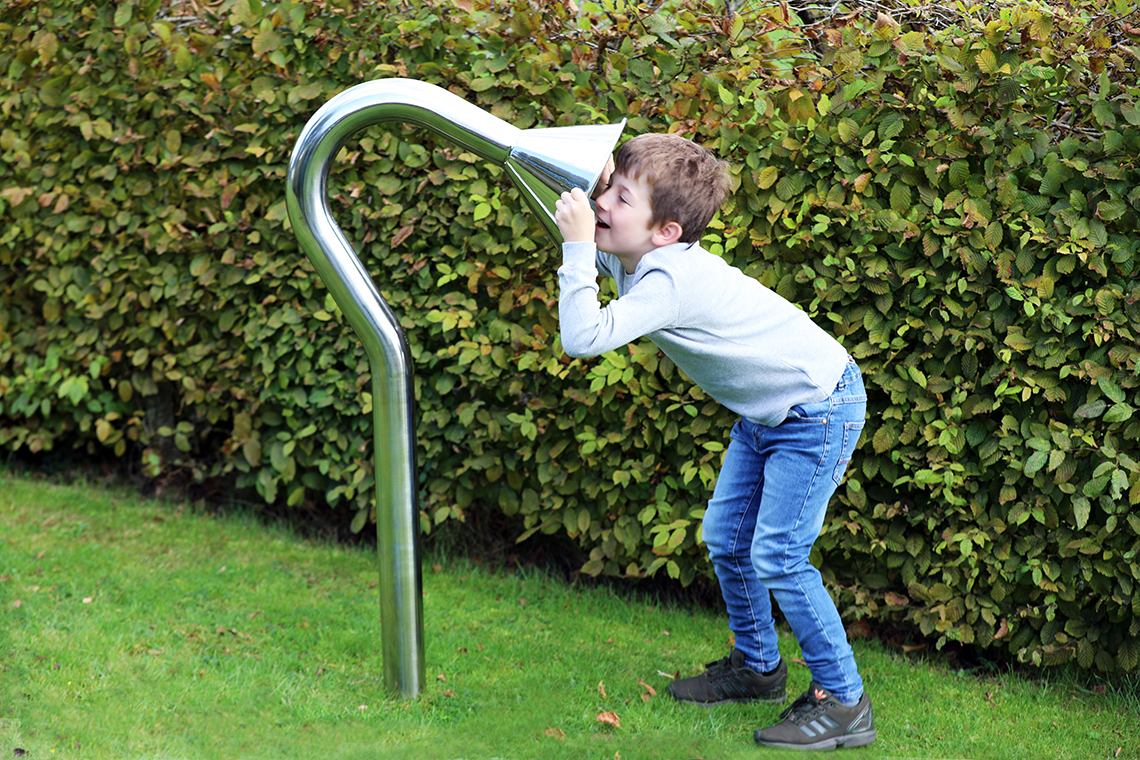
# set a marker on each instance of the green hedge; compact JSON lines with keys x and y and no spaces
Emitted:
{"x":954,"y":197}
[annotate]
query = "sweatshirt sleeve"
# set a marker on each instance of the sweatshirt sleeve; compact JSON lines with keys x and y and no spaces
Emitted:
{"x":587,"y":329}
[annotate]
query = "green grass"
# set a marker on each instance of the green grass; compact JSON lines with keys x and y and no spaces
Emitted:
{"x":142,"y":629}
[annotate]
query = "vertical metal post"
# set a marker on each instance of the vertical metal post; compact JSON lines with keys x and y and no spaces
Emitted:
{"x":543,"y":162}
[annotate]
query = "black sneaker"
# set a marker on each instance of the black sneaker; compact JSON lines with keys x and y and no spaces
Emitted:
{"x":727,"y":680}
{"x":817,"y":720}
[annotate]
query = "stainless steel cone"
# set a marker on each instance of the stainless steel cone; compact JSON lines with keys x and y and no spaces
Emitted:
{"x":544,"y":163}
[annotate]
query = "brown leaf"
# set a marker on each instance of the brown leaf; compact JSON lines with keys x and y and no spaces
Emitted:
{"x":556,"y":733}
{"x":229,"y":192}
{"x":601,"y":690}
{"x":895,"y":600}
{"x":648,"y":688}
{"x":402,"y":234}
{"x":448,"y":693}
{"x":610,"y":719}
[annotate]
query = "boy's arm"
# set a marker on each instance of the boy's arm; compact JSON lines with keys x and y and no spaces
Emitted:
{"x":587,"y":329}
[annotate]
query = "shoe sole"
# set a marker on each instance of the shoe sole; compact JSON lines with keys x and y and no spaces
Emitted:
{"x":738,"y":701}
{"x":861,"y":739}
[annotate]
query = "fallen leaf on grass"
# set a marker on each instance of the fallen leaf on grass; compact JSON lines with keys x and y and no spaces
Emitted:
{"x":601,"y":690}
{"x":448,"y":693}
{"x":649,"y":692}
{"x":610,"y":719}
{"x":798,"y":661}
{"x":556,"y":733}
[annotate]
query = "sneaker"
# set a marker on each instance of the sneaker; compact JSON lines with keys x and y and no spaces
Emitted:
{"x":817,"y":720}
{"x":727,"y":680}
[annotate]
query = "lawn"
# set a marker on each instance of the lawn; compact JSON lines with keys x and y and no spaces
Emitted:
{"x":144,"y":629}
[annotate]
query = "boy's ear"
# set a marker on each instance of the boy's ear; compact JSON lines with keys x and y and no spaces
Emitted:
{"x":667,"y":234}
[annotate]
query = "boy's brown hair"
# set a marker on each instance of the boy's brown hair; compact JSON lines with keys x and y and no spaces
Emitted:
{"x":687,"y":183}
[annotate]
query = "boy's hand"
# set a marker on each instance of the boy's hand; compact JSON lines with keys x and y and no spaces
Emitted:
{"x":574,"y":217}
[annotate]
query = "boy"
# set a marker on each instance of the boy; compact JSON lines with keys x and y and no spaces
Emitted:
{"x":802,"y":407}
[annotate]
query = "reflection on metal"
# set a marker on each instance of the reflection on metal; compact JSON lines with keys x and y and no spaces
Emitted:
{"x":543,"y":163}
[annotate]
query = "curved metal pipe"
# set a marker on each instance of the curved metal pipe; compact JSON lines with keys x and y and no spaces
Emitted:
{"x":544,"y":162}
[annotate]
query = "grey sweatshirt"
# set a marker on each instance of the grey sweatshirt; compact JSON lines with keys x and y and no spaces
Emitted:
{"x":743,"y":344}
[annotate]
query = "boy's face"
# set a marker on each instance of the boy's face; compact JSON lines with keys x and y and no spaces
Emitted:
{"x":623,"y":218}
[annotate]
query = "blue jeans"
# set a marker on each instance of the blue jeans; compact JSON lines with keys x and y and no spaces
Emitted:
{"x":766,"y":512}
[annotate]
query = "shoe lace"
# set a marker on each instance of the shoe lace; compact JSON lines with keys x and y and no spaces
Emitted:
{"x":807,"y":707}
{"x":718,"y":669}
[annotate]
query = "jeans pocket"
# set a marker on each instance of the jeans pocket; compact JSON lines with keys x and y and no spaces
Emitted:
{"x":851,"y":433}
{"x":815,"y":413}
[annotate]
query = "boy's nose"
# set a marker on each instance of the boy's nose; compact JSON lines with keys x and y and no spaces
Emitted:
{"x":602,"y":200}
